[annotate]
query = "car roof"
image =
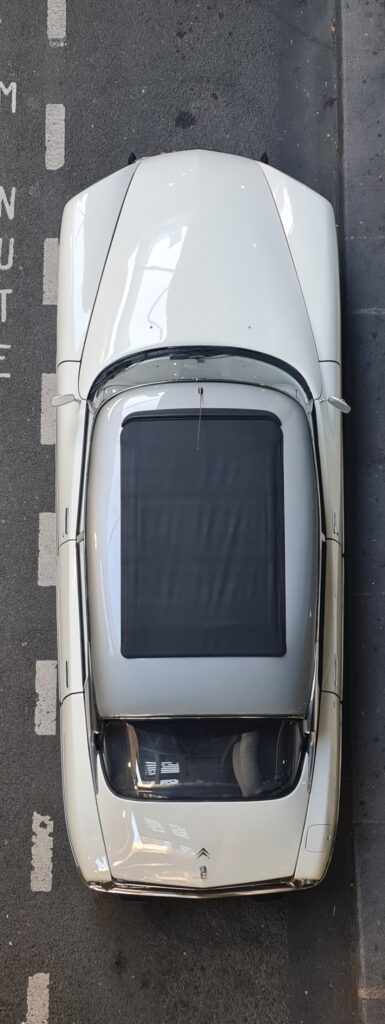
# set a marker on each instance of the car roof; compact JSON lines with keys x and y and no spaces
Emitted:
{"x":202,"y":562}
{"x":199,"y":257}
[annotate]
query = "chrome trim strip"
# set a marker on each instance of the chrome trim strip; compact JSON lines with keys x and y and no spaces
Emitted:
{"x":186,"y":351}
{"x":117,"y":887}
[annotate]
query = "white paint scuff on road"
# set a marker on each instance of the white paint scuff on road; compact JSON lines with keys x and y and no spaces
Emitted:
{"x":56,"y":22}
{"x":47,"y":413}
{"x":38,"y":999}
{"x":54,"y":136}
{"x":47,"y":550}
{"x":45,"y":710}
{"x":50,"y":271}
{"x":41,"y":858}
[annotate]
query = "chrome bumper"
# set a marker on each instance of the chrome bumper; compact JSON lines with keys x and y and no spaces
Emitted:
{"x":120,"y":888}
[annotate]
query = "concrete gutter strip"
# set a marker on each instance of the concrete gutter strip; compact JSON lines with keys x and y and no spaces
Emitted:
{"x":362,"y":67}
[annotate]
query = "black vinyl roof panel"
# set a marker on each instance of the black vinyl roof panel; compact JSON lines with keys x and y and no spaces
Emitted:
{"x":202,"y":535}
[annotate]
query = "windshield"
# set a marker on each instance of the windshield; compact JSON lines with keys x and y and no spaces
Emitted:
{"x":202,"y":759}
{"x":203,"y":364}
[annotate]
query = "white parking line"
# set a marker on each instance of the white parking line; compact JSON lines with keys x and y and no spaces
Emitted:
{"x":45,"y":710}
{"x":41,"y":854}
{"x":54,"y":136}
{"x":38,"y":999}
{"x":47,"y":413}
{"x":56,"y":22}
{"x":50,"y":271}
{"x":47,"y":550}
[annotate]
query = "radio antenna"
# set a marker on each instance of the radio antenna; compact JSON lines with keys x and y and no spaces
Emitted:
{"x":200,"y":393}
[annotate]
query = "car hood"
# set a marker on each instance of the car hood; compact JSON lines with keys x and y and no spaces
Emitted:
{"x":166,"y":843}
{"x":199,"y":257}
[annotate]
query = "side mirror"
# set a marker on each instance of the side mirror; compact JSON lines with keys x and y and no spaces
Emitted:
{"x":339,"y":403}
{"x":62,"y":400}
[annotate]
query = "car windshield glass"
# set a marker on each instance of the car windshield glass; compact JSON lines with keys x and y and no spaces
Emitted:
{"x":202,"y":759}
{"x":195,"y":365}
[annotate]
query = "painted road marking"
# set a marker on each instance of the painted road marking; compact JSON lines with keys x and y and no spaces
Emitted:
{"x":41,"y":854}
{"x":47,"y":550}
{"x":377,"y":992}
{"x":8,"y":264}
{"x":4,"y":348}
{"x":54,"y":136}
{"x":47,"y":413}
{"x":3,"y":303}
{"x":50,"y":271}
{"x":38,"y":999}
{"x":45,"y":710}
{"x":9,"y":204}
{"x":56,"y":22}
{"x":9,"y":90}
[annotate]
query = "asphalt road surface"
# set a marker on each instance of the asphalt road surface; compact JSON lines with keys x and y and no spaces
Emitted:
{"x":246,"y":76}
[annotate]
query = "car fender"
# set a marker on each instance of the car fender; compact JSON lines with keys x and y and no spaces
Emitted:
{"x":309,"y":225}
{"x":80,"y":806}
{"x":322,"y":813}
{"x":87,"y":228}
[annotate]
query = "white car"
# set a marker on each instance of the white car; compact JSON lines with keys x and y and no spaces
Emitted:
{"x":199,"y":517}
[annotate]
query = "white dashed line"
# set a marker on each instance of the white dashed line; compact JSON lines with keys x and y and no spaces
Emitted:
{"x":47,"y":550}
{"x":41,"y":856}
{"x":54,"y":136}
{"x":56,"y":22}
{"x":5,"y":375}
{"x":38,"y":999}
{"x":50,"y":271}
{"x":45,"y":710}
{"x":47,"y":414}
{"x":376,"y":992}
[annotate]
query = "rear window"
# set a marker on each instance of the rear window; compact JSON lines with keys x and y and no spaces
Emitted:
{"x":202,"y":759}
{"x":202,"y":535}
